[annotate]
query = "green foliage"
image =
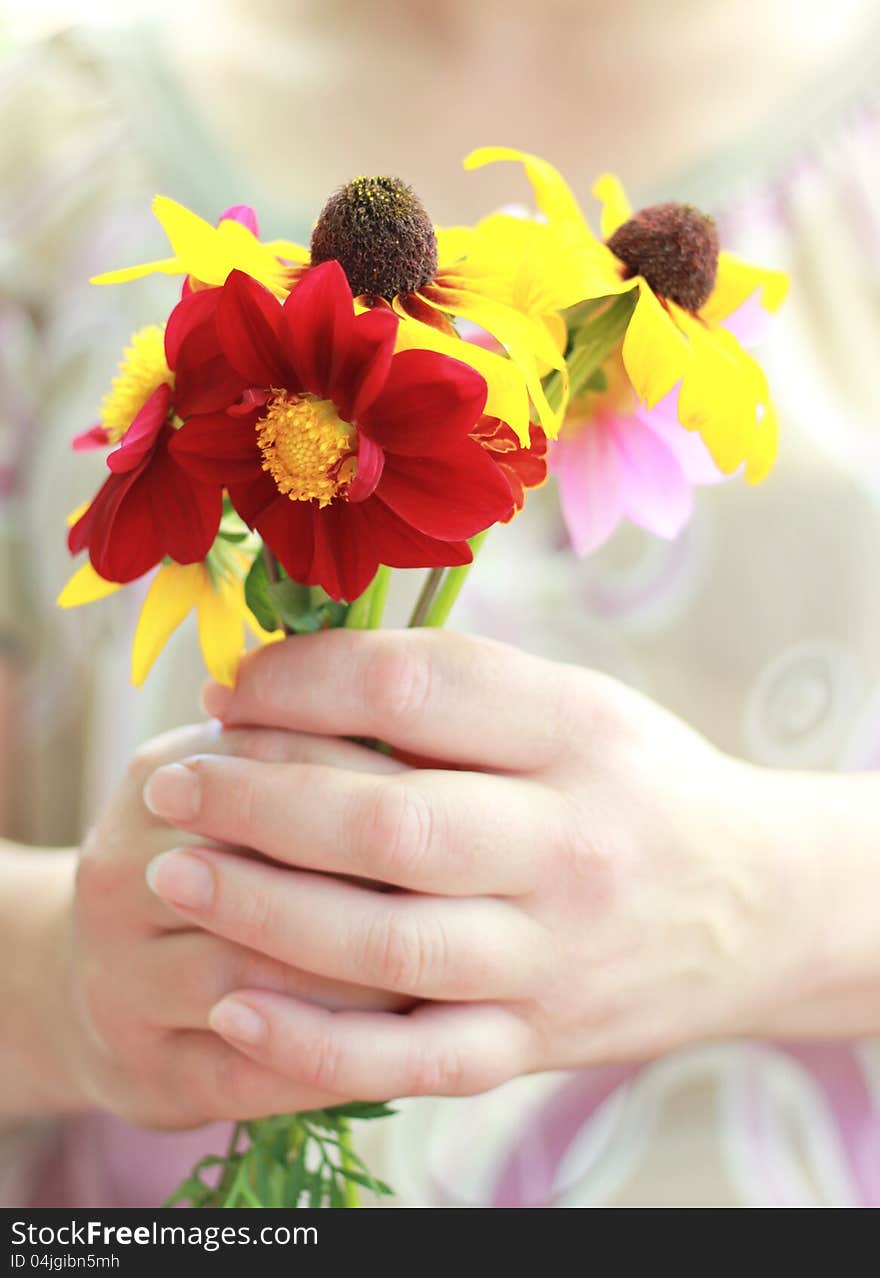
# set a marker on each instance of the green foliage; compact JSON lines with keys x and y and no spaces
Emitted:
{"x":284,"y":603}
{"x":293,"y":1160}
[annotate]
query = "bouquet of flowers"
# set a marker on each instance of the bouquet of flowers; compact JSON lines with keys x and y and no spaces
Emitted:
{"x":308,"y":419}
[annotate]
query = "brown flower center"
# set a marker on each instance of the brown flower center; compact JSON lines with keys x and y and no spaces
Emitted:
{"x":379,"y":232}
{"x":675,"y":248}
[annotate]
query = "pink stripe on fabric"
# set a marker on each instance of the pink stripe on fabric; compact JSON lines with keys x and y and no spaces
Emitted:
{"x":528,"y":1177}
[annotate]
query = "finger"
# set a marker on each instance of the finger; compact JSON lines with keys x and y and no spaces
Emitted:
{"x":273,"y":746}
{"x":459,"y":834}
{"x":430,"y":692}
{"x":435,"y":1050}
{"x":427,"y":947}
{"x":177,"y":979}
{"x":215,"y":1081}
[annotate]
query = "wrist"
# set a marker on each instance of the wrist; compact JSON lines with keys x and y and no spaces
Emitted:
{"x":821,"y":835}
{"x":37,"y":1076}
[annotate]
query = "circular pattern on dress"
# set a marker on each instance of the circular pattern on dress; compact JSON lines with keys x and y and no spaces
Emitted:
{"x":802,"y":704}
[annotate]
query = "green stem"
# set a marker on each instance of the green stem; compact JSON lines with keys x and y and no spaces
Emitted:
{"x":227,"y":1180}
{"x":359,"y":609}
{"x":378,"y":597}
{"x":426,"y":598}
{"x":437,"y":613}
{"x":346,"y":1147}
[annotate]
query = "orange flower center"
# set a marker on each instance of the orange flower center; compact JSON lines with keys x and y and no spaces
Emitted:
{"x":307,"y":449}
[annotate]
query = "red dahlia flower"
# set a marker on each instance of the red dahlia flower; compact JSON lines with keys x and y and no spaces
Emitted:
{"x":150,"y":506}
{"x":340,"y":453}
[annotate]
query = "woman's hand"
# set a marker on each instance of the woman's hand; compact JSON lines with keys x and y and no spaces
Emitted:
{"x":131,"y":983}
{"x":593,"y":882}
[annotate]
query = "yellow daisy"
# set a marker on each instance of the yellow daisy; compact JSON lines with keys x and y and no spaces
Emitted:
{"x":685,"y":289}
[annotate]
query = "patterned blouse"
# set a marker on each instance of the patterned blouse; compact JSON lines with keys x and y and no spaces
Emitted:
{"x":759,"y":626}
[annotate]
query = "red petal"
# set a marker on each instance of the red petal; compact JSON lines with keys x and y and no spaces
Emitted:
{"x":95,"y":437}
{"x":186,"y":512}
{"x":318,"y":323}
{"x":118,"y":530}
{"x":191,"y":325}
{"x":140,"y":438}
{"x":363,"y":372}
{"x":399,"y":545}
{"x":450,"y":497}
{"x":209,"y":387}
{"x":254,"y":496}
{"x":218,"y":447}
{"x":144,"y":514}
{"x":428,"y":402}
{"x":249,"y":328}
{"x":287,"y":527}
{"x":370,"y":463}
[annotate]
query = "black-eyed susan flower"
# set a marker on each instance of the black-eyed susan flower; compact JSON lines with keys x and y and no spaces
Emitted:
{"x":687,"y":289}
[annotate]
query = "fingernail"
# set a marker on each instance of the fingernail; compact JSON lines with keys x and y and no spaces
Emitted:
{"x":236,"y":1020}
{"x":173,"y":792}
{"x":216,"y":700}
{"x":181,"y":879}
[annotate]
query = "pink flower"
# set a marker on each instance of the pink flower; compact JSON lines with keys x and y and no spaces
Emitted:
{"x":617,"y":459}
{"x":632,"y":463}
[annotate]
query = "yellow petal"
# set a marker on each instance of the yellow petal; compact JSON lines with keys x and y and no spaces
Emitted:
{"x":526,"y":340}
{"x":507,"y":395}
{"x":221,"y":628}
{"x":736,"y":282}
{"x":616,"y":208}
{"x":655,"y":352}
{"x":553,"y":195}
{"x":164,"y":266}
{"x":172,"y":595}
{"x":289,"y":250}
{"x":724,"y":396}
{"x":85,"y":586}
{"x":195,"y":241}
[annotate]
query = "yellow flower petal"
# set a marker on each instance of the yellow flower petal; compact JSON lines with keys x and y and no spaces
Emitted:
{"x":85,"y":586}
{"x":724,"y":396}
{"x":655,"y":352}
{"x":172,"y":595}
{"x":507,"y":396}
{"x":208,"y":253}
{"x":289,"y":250}
{"x":221,"y":627}
{"x":616,"y":208}
{"x":526,"y":340}
{"x":164,"y":266}
{"x":552,"y":193}
{"x":736,"y":282}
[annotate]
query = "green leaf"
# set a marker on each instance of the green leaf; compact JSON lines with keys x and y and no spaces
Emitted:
{"x":362,"y":1109}
{"x":365,"y":1179}
{"x":256,"y":593}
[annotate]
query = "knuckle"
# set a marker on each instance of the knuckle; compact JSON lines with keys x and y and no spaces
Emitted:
{"x":406,"y":953}
{"x":396,"y":829}
{"x":321,"y":1063}
{"x":436,"y":1073}
{"x":252,"y":916}
{"x":397,"y":681}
